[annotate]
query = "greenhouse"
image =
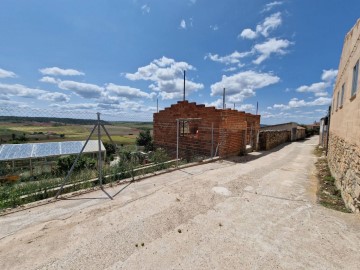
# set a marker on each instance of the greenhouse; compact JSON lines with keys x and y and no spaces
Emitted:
{"x":25,"y":155}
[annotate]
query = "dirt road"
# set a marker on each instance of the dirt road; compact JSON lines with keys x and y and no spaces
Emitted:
{"x":260,"y":214}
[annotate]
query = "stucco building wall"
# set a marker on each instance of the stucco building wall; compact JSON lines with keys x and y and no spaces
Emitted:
{"x":344,"y":139}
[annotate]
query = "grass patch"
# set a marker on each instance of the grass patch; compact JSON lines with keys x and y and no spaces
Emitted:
{"x":328,"y":194}
{"x":318,"y":151}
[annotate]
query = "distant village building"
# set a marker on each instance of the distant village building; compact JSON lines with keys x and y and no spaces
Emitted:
{"x":323,"y":132}
{"x":344,"y":140}
{"x":296,"y":132}
{"x":198,"y":130}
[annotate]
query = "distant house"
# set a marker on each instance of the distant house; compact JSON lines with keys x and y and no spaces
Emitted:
{"x":344,"y":138}
{"x":194,"y":130}
{"x":296,"y":132}
{"x":323,"y":132}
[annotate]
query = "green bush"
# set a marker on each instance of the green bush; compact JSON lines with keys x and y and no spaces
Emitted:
{"x":64,"y":164}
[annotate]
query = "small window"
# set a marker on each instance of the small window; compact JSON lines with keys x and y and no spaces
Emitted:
{"x":355,"y":78}
{"x":342,"y":95}
{"x":337,"y":101}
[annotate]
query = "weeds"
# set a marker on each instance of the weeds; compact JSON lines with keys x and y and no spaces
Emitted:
{"x":328,"y":194}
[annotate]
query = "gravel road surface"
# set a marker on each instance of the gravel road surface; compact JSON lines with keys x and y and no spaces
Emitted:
{"x":230,"y":214}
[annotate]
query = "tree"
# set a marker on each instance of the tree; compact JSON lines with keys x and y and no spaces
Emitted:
{"x":145,"y":139}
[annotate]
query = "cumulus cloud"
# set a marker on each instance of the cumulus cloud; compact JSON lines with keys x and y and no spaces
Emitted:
{"x":329,"y":75}
{"x":48,"y":79}
{"x":166,"y":76}
{"x":319,"y":89}
{"x":298,"y":103}
{"x":85,"y":90}
{"x":243,"y":84}
{"x":233,"y":58}
{"x":128,"y":92}
{"x":55,"y":71}
{"x":19,"y":90}
{"x":55,"y":97}
{"x":6,"y":74}
{"x":271,"y":46}
{"x":246,"y":107}
{"x":270,"y":23}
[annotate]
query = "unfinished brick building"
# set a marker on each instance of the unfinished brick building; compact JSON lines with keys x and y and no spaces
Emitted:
{"x":204,"y":131}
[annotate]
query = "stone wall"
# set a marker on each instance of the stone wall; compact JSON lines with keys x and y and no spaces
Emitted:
{"x":300,"y":134}
{"x":344,"y":163}
{"x":269,"y":139}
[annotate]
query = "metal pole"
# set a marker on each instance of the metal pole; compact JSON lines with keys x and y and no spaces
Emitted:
{"x":184,"y":85}
{"x":99,"y":152}
{"x":73,"y":166}
{"x":157,"y":105}
{"x":234,"y":106}
{"x":257,"y":107}
{"x":212,"y":140}
{"x":177,"y":142}
{"x":224,"y":99}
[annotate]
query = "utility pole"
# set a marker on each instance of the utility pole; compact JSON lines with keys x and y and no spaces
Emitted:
{"x":224,"y":99}
{"x":184,"y":84}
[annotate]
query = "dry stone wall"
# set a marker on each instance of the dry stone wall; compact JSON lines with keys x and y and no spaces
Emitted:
{"x":268,"y":139}
{"x":344,"y":164}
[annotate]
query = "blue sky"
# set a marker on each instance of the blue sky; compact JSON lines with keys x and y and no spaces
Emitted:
{"x":119,"y":57}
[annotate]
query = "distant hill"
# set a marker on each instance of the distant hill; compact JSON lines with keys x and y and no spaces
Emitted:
{"x":69,"y":121}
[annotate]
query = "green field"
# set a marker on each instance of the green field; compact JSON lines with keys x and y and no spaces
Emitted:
{"x":121,"y":133}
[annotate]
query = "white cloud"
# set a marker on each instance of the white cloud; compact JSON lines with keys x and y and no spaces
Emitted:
{"x":128,"y":92}
{"x":48,"y":79}
{"x":242,"y":85}
{"x":55,"y":71}
{"x":319,"y":89}
{"x":233,"y":58}
{"x":55,"y":97}
{"x":166,"y":76}
{"x":329,"y":75}
{"x":248,"y":34}
{"x":19,"y":90}
{"x":271,"y":5}
{"x":145,"y":9}
{"x":230,"y":69}
{"x":270,"y":23}
{"x":183,"y":24}
{"x":77,"y":107}
{"x":298,"y":103}
{"x":246,"y":107}
{"x":271,"y":46}
{"x":84,"y":90}
{"x":6,"y":74}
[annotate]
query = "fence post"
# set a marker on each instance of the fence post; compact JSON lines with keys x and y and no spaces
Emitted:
{"x":212,"y":140}
{"x":177,"y":142}
{"x":99,"y":152}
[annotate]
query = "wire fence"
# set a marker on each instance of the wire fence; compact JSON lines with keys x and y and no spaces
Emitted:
{"x":116,"y":158}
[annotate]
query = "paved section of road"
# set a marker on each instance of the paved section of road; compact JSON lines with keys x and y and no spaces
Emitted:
{"x":259,"y":214}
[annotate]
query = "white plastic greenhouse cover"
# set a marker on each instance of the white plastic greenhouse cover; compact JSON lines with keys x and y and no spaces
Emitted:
{"x":49,"y":149}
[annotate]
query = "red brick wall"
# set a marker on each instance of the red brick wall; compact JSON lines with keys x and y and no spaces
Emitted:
{"x":229,"y":129}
